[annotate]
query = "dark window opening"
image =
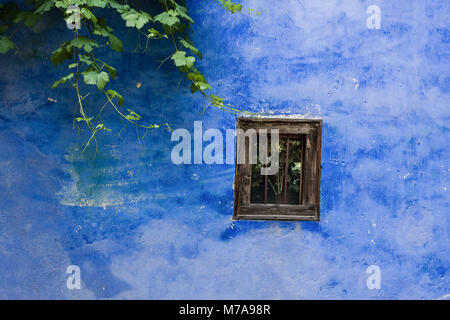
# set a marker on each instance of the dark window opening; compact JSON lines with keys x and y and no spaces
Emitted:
{"x":293,"y":192}
{"x":285,"y":186}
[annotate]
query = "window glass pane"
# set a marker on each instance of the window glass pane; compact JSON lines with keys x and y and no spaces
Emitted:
{"x":276,"y":183}
{"x":275,"y":191}
{"x":294,"y":170}
{"x":258,"y":183}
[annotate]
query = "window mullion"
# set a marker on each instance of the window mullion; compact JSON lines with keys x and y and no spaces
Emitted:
{"x":300,"y":201}
{"x":265,"y":180}
{"x":286,"y":166}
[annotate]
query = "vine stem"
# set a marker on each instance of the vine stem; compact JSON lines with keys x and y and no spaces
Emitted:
{"x":128,"y":119}
{"x":83,"y":114}
{"x":170,"y":28}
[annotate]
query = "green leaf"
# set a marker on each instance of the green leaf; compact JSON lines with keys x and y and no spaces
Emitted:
{"x":114,"y":94}
{"x":84,"y":119}
{"x":216,"y":101}
{"x":113,"y":4}
{"x":168,"y":18}
{"x":62,"y":4}
{"x":115,"y":43}
{"x":199,"y":81}
{"x":132,"y":115}
{"x":62,"y":80}
{"x":94,"y":77}
{"x":203,"y":86}
{"x":85,"y":43}
{"x":189,"y":46}
{"x":28,"y":18}
{"x":97,"y":3}
{"x":112,"y":71}
{"x":181,"y":60}
{"x":196,"y":77}
{"x":231,"y":6}
{"x":101,"y":28}
{"x":6,"y":44}
{"x":46,"y":6}
{"x":136,"y":19}
{"x":65,"y":52}
{"x":101,"y":126}
{"x":182,"y":11}
{"x":85,"y":12}
{"x":155,"y":34}
{"x":193,"y":88}
{"x":85,"y":59}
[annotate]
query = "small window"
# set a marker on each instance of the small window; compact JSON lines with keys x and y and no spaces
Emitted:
{"x":278,"y":169}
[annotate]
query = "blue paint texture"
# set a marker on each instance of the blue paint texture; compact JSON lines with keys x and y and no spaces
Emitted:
{"x":141,"y":227}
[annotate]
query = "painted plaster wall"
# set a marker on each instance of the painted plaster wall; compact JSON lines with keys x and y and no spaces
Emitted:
{"x":141,"y":227}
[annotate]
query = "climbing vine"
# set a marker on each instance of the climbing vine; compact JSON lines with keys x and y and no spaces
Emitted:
{"x":172,"y":23}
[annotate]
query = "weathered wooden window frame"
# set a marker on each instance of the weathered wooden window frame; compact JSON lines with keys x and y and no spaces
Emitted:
{"x":309,"y":207}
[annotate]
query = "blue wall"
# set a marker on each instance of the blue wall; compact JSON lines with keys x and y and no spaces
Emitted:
{"x":141,"y":227}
